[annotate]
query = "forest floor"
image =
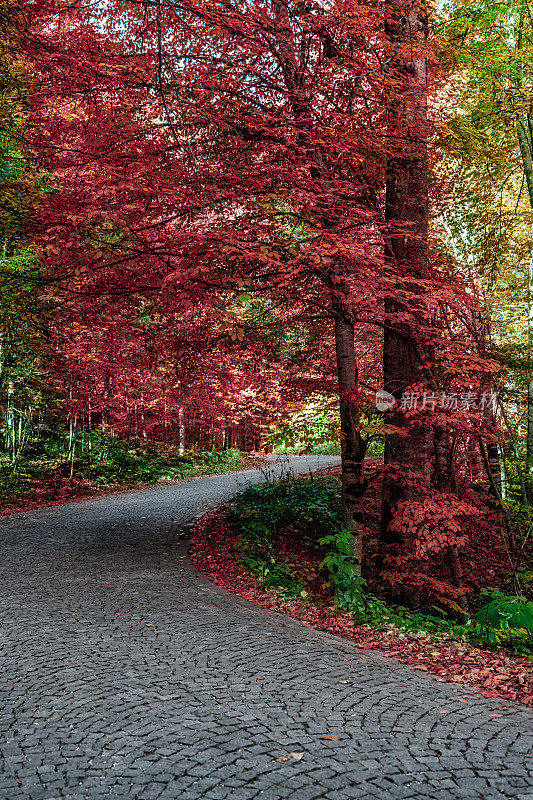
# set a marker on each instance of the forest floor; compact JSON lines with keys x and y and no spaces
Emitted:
{"x":128,"y":674}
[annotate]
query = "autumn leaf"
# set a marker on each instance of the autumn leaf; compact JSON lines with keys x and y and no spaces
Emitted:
{"x":288,"y":756}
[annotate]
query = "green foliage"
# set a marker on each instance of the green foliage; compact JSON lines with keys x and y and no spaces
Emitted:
{"x":376,"y":612}
{"x":51,"y":461}
{"x":261,"y":513}
{"x":276,"y":505}
{"x":350,"y":589}
{"x":25,"y":311}
{"x":487,"y":162}
{"x":256,"y":557}
{"x":314,"y":429}
{"x":11,"y":161}
{"x":347,"y":585}
{"x":98,"y":454}
{"x":505,"y":612}
{"x":313,"y":508}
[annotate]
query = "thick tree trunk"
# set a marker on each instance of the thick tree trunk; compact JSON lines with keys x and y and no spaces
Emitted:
{"x":443,"y":477}
{"x":406,"y":355}
{"x":456,"y":571}
{"x":443,"y":480}
{"x":493,"y":453}
{"x":353,"y":446}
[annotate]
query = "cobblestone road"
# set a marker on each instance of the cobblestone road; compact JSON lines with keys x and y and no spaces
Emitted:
{"x":125,"y":674}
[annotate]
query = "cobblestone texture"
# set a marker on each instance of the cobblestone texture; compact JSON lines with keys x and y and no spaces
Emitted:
{"x":125,"y":674}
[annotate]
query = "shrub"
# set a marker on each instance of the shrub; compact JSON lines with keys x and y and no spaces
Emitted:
{"x":507,"y":613}
{"x":261,"y":513}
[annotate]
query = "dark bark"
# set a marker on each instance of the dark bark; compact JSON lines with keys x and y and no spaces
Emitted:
{"x":353,"y":446}
{"x":443,"y":477}
{"x":456,"y":571}
{"x":406,"y":353}
{"x":482,"y":328}
{"x":444,"y":480}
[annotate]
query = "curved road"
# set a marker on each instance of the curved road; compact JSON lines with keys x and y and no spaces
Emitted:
{"x":125,"y":674}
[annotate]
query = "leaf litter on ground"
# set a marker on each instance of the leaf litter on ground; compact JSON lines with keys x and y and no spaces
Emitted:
{"x":494,"y":674}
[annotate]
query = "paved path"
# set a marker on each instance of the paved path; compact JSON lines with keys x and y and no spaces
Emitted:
{"x":125,"y":674}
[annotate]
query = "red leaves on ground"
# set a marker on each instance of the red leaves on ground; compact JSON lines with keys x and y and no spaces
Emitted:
{"x":495,"y":674}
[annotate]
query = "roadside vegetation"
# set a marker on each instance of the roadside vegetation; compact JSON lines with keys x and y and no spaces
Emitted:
{"x":56,"y":466}
{"x":293,"y":537}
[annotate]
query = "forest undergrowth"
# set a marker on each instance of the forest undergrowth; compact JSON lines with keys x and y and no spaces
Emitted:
{"x":285,"y":546}
{"x":55,"y":470}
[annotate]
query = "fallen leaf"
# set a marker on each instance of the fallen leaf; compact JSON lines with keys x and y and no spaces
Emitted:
{"x":294,"y":756}
{"x":328,"y":737}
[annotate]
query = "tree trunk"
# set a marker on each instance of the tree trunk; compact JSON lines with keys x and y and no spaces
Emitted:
{"x":143,"y":419}
{"x":72,"y":443}
{"x":525,"y":141}
{"x":181,"y":430}
{"x":353,"y":446}
{"x":528,"y":170}
{"x":406,"y":355}
{"x":10,"y":419}
{"x":529,"y":445}
{"x":516,"y":454}
{"x":443,"y":480}
{"x":456,"y":571}
{"x":105,"y":413}
{"x":482,"y":326}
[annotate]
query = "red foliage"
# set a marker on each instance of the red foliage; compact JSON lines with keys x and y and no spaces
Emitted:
{"x":433,"y":523}
{"x":255,"y":165}
{"x":262,"y":171}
